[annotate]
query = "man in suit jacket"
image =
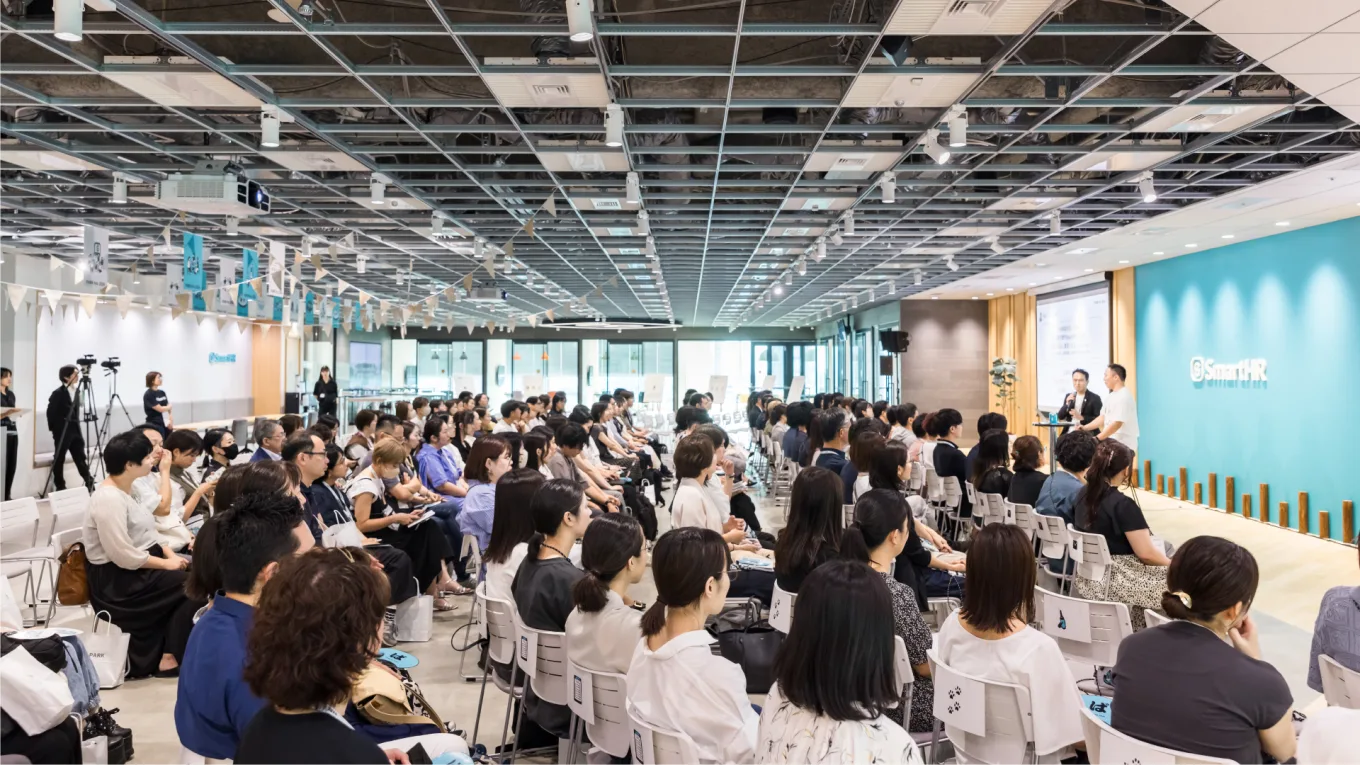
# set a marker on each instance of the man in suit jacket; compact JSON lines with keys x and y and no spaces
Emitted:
{"x":1082,"y":405}
{"x":63,"y":407}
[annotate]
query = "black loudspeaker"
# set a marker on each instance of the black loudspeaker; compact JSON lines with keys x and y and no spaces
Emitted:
{"x":894,"y":341}
{"x":292,"y":403}
{"x":885,"y":365}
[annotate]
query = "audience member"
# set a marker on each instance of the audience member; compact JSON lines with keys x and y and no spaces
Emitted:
{"x":815,"y":716}
{"x":1336,"y":632}
{"x":219,"y":450}
{"x":798,"y":415}
{"x":902,"y":418}
{"x":365,"y":433}
{"x":725,"y":487}
{"x":487,"y":462}
{"x":1198,"y":684}
{"x":1027,"y":481}
{"x":189,"y":496}
{"x":990,"y":637}
{"x":1137,"y":575}
{"x":436,"y":468}
{"x":693,"y":504}
{"x":155,"y":493}
{"x":512,"y":527}
{"x":604,"y":629}
{"x":924,"y":571}
{"x":947,"y":425}
{"x":988,"y":472}
{"x":813,"y":533}
{"x":268,"y":438}
{"x":866,"y":436}
{"x":878,"y":535}
{"x":780,"y":426}
{"x":675,"y":680}
{"x":830,"y":440}
{"x":291,"y":423}
{"x":1073,"y":453}
{"x":989,"y":421}
{"x":566,"y":462}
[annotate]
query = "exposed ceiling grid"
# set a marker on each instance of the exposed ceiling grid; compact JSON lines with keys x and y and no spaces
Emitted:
{"x":754,"y":128}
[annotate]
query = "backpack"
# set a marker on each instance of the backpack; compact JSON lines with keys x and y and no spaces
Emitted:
{"x":73,"y":589}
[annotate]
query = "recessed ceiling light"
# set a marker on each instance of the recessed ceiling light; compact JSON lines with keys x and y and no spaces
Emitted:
{"x":1159,"y":252}
{"x":934,"y":297}
{"x":1033,"y":284}
{"x":1191,"y":246}
{"x":989,"y":294}
{"x":1123,"y":261}
{"x":1227,"y":236}
{"x":1089,"y":270}
{"x":1010,"y":289}
{"x":1282,"y":223}
{"x":1040,"y":265}
{"x":975,"y":297}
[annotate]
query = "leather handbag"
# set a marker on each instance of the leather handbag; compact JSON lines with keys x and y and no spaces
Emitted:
{"x":752,"y":647}
{"x":73,"y":589}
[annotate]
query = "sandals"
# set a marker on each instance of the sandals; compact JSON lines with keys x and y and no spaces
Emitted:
{"x":454,"y":589}
{"x":442,"y":605}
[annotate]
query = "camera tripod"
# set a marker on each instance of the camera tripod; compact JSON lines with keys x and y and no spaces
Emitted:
{"x":84,"y":414}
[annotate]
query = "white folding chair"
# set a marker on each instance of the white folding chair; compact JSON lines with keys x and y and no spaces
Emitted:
{"x":937,"y":610}
{"x":500,"y":631}
{"x":970,"y":492}
{"x":68,"y":508}
{"x":1092,"y":554}
{"x":953,"y":501}
{"x":1023,"y":516}
{"x":1086,"y":631}
{"x":1054,"y":543}
{"x":1340,"y":686}
{"x":477,"y":621}
{"x":991,"y":508}
{"x":1104,"y":744}
{"x":599,"y":701}
{"x":542,"y":656}
{"x":847,"y":515}
{"x":1000,"y":731}
{"x":1156,"y":618}
{"x":653,"y":745}
{"x":20,"y":552}
{"x":781,"y":609}
{"x":917,"y":481}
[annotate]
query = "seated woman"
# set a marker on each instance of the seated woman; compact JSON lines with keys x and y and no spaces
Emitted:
{"x":542,"y":588}
{"x":219,"y":451}
{"x":511,"y":529}
{"x":813,"y":716}
{"x":726,"y":489}
{"x":139,"y":582}
{"x":949,"y":461}
{"x":1138,"y":574}
{"x":859,"y":457}
{"x":314,"y":636}
{"x":538,"y":449}
{"x":990,"y":474}
{"x":780,"y":424}
{"x":693,"y":504}
{"x":879,"y":533}
{"x":675,"y":680}
{"x":155,"y":493}
{"x":925,"y":572}
{"x":1336,"y":633}
{"x":488,"y":460}
{"x":918,"y":451}
{"x":375,"y":517}
{"x":1198,"y":684}
{"x":990,"y":637}
{"x":813,"y":533}
{"x":604,"y":629}
{"x":188,"y":496}
{"x":1027,"y":482}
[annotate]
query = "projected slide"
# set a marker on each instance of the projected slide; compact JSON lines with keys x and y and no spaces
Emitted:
{"x":1074,"y":333}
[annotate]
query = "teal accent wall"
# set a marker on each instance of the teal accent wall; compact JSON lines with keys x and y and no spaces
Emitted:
{"x":1292,"y":299}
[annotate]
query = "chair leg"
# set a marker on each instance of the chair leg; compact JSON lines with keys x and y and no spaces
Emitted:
{"x":472,"y":619}
{"x":49,"y":567}
{"x":477,"y":724}
{"x":509,"y":706}
{"x":519,"y":721}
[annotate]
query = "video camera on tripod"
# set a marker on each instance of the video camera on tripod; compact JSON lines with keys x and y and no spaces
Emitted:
{"x":110,"y":365}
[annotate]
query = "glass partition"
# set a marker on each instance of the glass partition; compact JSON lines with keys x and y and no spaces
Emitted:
{"x":497,"y":371}
{"x":630,"y":364}
{"x":449,"y":368}
{"x":556,"y":362}
{"x":700,"y":360}
{"x":365,"y":366}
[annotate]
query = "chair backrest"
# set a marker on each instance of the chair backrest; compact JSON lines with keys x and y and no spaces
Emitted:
{"x":600,"y":699}
{"x":991,"y":507}
{"x":847,"y":515}
{"x":903,"y":674}
{"x":781,"y":609}
{"x":1086,"y":630}
{"x":934,"y":486}
{"x":1155,"y":618}
{"x":1023,"y":517}
{"x":985,"y":720}
{"x":1105,"y":744}
{"x":971,"y":492}
{"x":500,"y":627}
{"x":1054,"y":541}
{"x":18,"y":524}
{"x":65,"y":538}
{"x":542,"y":656}
{"x":653,"y":745}
{"x":69,"y":508}
{"x":918,"y":477}
{"x":473,"y":553}
{"x":1091,"y":553}
{"x":1340,"y":686}
{"x":240,"y":430}
{"x":952,"y":491}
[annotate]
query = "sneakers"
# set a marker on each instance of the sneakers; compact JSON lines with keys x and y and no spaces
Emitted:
{"x":389,"y":635}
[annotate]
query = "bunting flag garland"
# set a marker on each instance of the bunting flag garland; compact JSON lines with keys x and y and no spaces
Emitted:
{"x":233,"y":291}
{"x":529,"y":228}
{"x":210,"y":300}
{"x":264,"y":329}
{"x":511,"y":326}
{"x":88,"y":302}
{"x":320,"y":274}
{"x":341,"y":286}
{"x":549,"y":314}
{"x":467,"y":283}
{"x":490,"y":264}
{"x":124,"y":303}
{"x":181,"y":305}
{"x":222,"y":322}
{"x":53,"y":263}
{"x":333,"y":251}
{"x":470,"y":327}
{"x":491,"y":327}
{"x":550,"y":206}
{"x":154,"y":300}
{"x":533,"y":320}
{"x":363,"y":297}
{"x":17,"y":293}
{"x":451,"y":294}
{"x":613,"y":281}
{"x":53,"y":298}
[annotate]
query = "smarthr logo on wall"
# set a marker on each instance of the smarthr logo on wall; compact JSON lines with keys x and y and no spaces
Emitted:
{"x":1208,"y":370}
{"x":221,"y":358}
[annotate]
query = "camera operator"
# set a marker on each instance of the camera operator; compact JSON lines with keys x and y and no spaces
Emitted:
{"x":63,"y":415}
{"x":156,"y":403}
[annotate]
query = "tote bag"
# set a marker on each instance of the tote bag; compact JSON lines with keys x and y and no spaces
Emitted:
{"x":342,"y":535}
{"x":108,"y":652}
{"x":35,"y":697}
{"x":415,"y":619}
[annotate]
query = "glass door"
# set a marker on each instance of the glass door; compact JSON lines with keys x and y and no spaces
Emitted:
{"x":859,"y":380}
{"x":781,"y":362}
{"x":537,"y":368}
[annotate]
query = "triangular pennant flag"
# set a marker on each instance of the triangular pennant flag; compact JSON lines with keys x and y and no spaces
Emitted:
{"x":88,"y":302}
{"x":221,"y":323}
{"x":341,"y":286}
{"x":332,"y":250}
{"x":383,"y":307}
{"x":183,"y":216}
{"x":241,"y":325}
{"x":470,"y":327}
{"x":296,"y":272}
{"x":425,"y":321}
{"x":53,"y":298}
{"x":54,"y":262}
{"x":551,"y":205}
{"x":431,"y":302}
{"x":299,"y":256}
{"x":316,"y":261}
{"x":264,"y":329}
{"x":320,"y":274}
{"x":17,"y":293}
{"x":490,"y":264}
{"x":491,"y":327}
{"x":549,"y":314}
{"x":467,"y":283}
{"x":234,"y":291}
{"x":599,"y":292}
{"x":210,"y":299}
{"x":165,"y":234}
{"x":124,"y":303}
{"x":199,"y":317}
{"x":509,"y":253}
{"x":403,"y":332}
{"x":529,"y":228}
{"x":349,"y":240}
{"x":613,"y":281}
{"x":533,"y":320}
{"x":450,"y":293}
{"x":511,"y":326}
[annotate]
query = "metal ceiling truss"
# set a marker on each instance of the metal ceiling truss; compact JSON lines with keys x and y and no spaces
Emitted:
{"x":722,"y":145}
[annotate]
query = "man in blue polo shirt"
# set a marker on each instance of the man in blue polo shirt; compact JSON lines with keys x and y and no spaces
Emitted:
{"x":214,"y":704}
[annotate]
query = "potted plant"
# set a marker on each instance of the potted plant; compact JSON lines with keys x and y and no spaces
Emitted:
{"x":1003,"y":379}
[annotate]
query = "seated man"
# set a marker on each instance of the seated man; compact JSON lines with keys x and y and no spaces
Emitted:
{"x":214,"y":704}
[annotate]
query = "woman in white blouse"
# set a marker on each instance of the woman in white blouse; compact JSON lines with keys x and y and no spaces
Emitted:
{"x":604,"y":629}
{"x":675,"y":681}
{"x":990,"y":636}
{"x":137,"y":580}
{"x":693,"y":504}
{"x":511,"y":527}
{"x":813,"y":715}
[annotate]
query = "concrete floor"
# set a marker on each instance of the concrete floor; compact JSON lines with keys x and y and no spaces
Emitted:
{"x":1295,"y":571}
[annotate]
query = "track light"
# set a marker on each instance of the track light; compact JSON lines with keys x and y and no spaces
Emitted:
{"x":934,"y":149}
{"x":436,"y":224}
{"x":651,"y":247}
{"x":854,"y":302}
{"x":479,"y":248}
{"x":613,"y":125}
{"x":1055,"y":223}
{"x":634,"y":192}
{"x":848,"y":223}
{"x":892,"y":287}
{"x":918,"y":279}
{"x":269,"y":127}
{"x":644,"y":223}
{"x":997,"y":248}
{"x":119,"y":189}
{"x":821,"y":249}
{"x":1145,"y":186}
{"x":361,"y":264}
{"x":836,"y":238}
{"x":68,"y":21}
{"x":398,"y":277}
{"x":232,"y":223}
{"x":778,"y":290}
{"x":306,"y":248}
{"x":579,"y":22}
{"x":949,"y":261}
{"x":802,"y":268}
{"x":888,"y":184}
{"x":377,"y":189}
{"x":788,"y":278}
{"x":958,"y":126}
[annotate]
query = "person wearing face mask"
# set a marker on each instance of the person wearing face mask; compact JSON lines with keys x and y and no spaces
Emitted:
{"x":487,"y":462}
{"x":154,"y":492}
{"x":137,"y":580}
{"x":219,"y":451}
{"x":63,"y":418}
{"x":1198,"y":684}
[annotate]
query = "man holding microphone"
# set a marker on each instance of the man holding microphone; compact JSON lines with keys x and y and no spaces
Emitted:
{"x":1083,"y":405}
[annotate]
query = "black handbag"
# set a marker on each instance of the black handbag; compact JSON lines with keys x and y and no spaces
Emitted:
{"x":749,"y":643}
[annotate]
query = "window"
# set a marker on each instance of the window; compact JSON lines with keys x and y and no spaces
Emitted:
{"x":700,"y":360}
{"x":449,"y":368}
{"x":631,"y":364}
{"x":556,"y":363}
{"x":778,"y":363}
{"x":365,"y":365}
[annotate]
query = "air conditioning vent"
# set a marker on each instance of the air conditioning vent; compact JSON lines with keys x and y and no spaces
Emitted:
{"x":608,"y":204}
{"x":972,"y":9}
{"x":855,"y":162}
{"x":552,"y":93}
{"x":795,"y":232}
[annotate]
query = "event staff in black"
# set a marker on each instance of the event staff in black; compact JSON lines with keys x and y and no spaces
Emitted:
{"x":327,"y":393}
{"x":63,"y":406}
{"x":11,"y":434}
{"x":156,"y":404}
{"x":1082,"y":404}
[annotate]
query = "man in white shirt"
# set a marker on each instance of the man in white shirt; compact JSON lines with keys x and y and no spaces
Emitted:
{"x":536,"y":406}
{"x":509,"y":423}
{"x":1119,"y":417}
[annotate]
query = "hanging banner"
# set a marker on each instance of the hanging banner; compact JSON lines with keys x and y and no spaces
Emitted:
{"x":174,"y":278}
{"x":195,"y":279}
{"x":250,"y":268}
{"x":277,"y":315}
{"x":309,"y":317}
{"x":278,"y":253}
{"x":96,"y":255}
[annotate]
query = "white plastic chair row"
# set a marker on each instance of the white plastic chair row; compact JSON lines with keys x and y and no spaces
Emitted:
{"x":1340,"y":686}
{"x":29,"y":540}
{"x":1104,"y":744}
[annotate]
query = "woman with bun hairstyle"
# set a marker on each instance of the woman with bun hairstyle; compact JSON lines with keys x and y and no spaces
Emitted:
{"x":604,"y":629}
{"x":1198,"y":684}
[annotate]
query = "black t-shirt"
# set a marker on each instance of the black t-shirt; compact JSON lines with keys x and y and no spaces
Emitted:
{"x":1180,"y":686}
{"x":1025,"y":486}
{"x":994,"y":481}
{"x":317,"y":737}
{"x":154,"y":397}
{"x":1116,"y":516}
{"x":542,"y":592}
{"x":7,"y":402}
